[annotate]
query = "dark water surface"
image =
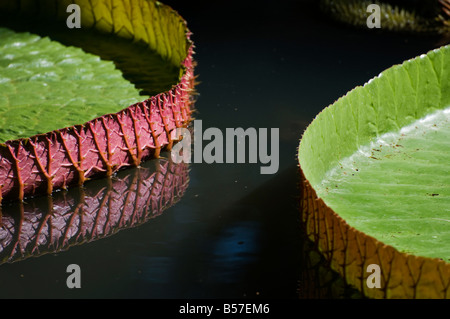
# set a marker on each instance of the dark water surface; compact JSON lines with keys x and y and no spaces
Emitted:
{"x":233,"y":232}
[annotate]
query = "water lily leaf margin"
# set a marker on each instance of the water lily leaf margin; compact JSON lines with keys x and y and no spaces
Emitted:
{"x":396,"y":98}
{"x":149,"y":22}
{"x":70,"y":156}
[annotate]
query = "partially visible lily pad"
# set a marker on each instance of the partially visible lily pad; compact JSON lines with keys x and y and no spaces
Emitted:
{"x":376,"y":180}
{"x":101,"y":209}
{"x":122,"y":135}
{"x":415,"y":16}
{"x":397,"y":189}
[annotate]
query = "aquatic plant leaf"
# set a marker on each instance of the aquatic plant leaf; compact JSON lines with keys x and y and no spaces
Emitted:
{"x":70,"y":155}
{"x":375,"y":180}
{"x":46,"y":86}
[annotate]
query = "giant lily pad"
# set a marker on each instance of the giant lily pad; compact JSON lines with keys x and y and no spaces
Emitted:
{"x":418,"y":16}
{"x":376,"y":182}
{"x":69,"y":149}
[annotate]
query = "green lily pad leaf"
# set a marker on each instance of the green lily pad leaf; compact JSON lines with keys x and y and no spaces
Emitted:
{"x":376,"y":179}
{"x":68,"y":115}
{"x":397,"y":189}
{"x":45,"y":86}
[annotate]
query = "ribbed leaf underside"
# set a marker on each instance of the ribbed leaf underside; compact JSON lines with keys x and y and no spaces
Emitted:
{"x":409,"y":17}
{"x":375,"y":180}
{"x":398,"y":188}
{"x":69,"y":156}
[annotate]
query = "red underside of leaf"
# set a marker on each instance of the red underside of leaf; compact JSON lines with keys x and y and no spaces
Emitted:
{"x":69,"y":156}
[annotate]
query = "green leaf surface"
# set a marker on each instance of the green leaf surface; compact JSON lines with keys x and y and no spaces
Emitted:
{"x":397,"y":188}
{"x":45,"y":86}
{"x":379,"y":156}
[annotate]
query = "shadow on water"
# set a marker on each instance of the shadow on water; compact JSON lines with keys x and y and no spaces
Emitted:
{"x":147,"y":70}
{"x":255,"y":249}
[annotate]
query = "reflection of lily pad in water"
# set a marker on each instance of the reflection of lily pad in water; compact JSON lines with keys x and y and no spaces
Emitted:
{"x":98,"y":210}
{"x":375,"y":180}
{"x":66,"y":156}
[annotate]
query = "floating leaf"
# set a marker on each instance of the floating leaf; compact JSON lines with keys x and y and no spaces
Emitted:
{"x":81,"y":215}
{"x":376,"y":180}
{"x":70,"y":155}
{"x":422,"y":16}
